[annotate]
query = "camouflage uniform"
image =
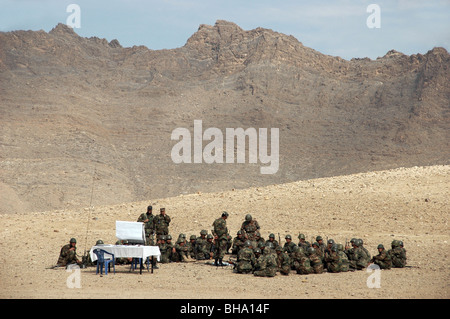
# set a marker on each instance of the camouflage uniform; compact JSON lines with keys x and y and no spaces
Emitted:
{"x":397,"y":254}
{"x":250,"y":226}
{"x":246,"y":259}
{"x":165,"y":250}
{"x":149,"y":225}
{"x":238,"y":243}
{"x":67,"y":255}
{"x":345,"y":264}
{"x":383,"y":259}
{"x":302,"y":243}
{"x":191,"y":246}
{"x":272,"y":240}
{"x":283,"y":261}
{"x":200,"y":245}
{"x":181,"y":251}
{"x":209,"y":248}
{"x":220,"y":232}
{"x":319,"y":252}
{"x":359,"y":258}
{"x":315,"y":260}
{"x":267,"y":265}
{"x":334,"y":260}
{"x":161,"y":223}
{"x":300,"y":262}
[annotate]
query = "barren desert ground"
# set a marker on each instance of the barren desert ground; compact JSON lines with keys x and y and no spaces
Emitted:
{"x":409,"y":204}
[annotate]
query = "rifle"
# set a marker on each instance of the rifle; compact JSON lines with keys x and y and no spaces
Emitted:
{"x":279,"y":239}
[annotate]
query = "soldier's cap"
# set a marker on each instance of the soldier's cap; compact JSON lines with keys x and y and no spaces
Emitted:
{"x":149,"y":208}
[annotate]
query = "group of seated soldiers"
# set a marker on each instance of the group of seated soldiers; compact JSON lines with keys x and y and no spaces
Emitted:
{"x":262,"y":257}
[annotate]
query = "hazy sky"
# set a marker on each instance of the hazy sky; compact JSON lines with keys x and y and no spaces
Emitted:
{"x":336,"y":28}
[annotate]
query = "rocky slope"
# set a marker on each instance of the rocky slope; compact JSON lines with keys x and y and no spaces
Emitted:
{"x":84,"y":119}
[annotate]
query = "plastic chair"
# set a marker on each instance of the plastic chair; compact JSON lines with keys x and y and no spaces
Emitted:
{"x":104,"y":262}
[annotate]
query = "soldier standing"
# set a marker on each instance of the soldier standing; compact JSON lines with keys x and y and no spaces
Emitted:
{"x":220,"y":233}
{"x":148,"y":220}
{"x":162,"y":222}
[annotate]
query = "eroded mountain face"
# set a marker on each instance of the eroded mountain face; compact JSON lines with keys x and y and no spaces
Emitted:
{"x":81,"y":114}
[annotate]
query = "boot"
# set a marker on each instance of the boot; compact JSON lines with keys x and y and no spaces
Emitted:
{"x":216,"y":262}
{"x":220,"y":262}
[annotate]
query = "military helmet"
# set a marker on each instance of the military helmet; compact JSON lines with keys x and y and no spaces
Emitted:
{"x":261,"y":244}
{"x":248,"y":217}
{"x":315,"y":244}
{"x":99,"y":242}
{"x":330,"y":241}
{"x":163,"y":237}
{"x":270,"y":245}
{"x":73,"y":240}
{"x":182,"y":236}
{"x":279,"y":248}
{"x":319,"y":238}
{"x":301,"y":236}
{"x":209,"y":236}
{"x":395,"y":243}
{"x":224,"y":214}
{"x":271,"y":236}
{"x":357,"y":243}
{"x":334,"y":248}
{"x":239,"y":232}
{"x":352,"y":240}
{"x":149,"y":208}
{"x":168,"y":237}
{"x":257,"y":251}
{"x":193,"y":237}
{"x":203,"y":232}
{"x":248,"y":243}
{"x":340,"y":247}
{"x":400,"y":243}
{"x":288,"y":237}
{"x":361,"y":241}
{"x":310,"y":250}
{"x":380,"y":246}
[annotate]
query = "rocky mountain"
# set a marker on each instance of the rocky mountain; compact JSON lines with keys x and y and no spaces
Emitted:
{"x":87,"y":122}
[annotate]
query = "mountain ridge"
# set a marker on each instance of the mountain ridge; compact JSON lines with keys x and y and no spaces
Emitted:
{"x":76,"y":109}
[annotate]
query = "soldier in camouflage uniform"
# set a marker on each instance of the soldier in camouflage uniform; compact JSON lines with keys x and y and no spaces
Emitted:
{"x":359,"y":257}
{"x":161,"y":223}
{"x":68,"y":254}
{"x":345,"y":264}
{"x":350,"y":249}
{"x":246,"y":259}
{"x":397,"y":254}
{"x":289,"y":245}
{"x":238,"y":243}
{"x":267,"y":264}
{"x":165,"y":250}
{"x":302,"y":242}
{"x":315,"y":260}
{"x":220,"y":233}
{"x":149,"y":225}
{"x":209,"y":248}
{"x":272,"y":240}
{"x":319,"y":252}
{"x":249,"y":227}
{"x":200,"y":245}
{"x":364,"y":249}
{"x":334,"y":261}
{"x":191,"y":246}
{"x":383,"y":259}
{"x":301,"y":262}
{"x":283,"y":261}
{"x":181,"y":250}
{"x":319,"y":240}
{"x":170,"y":247}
